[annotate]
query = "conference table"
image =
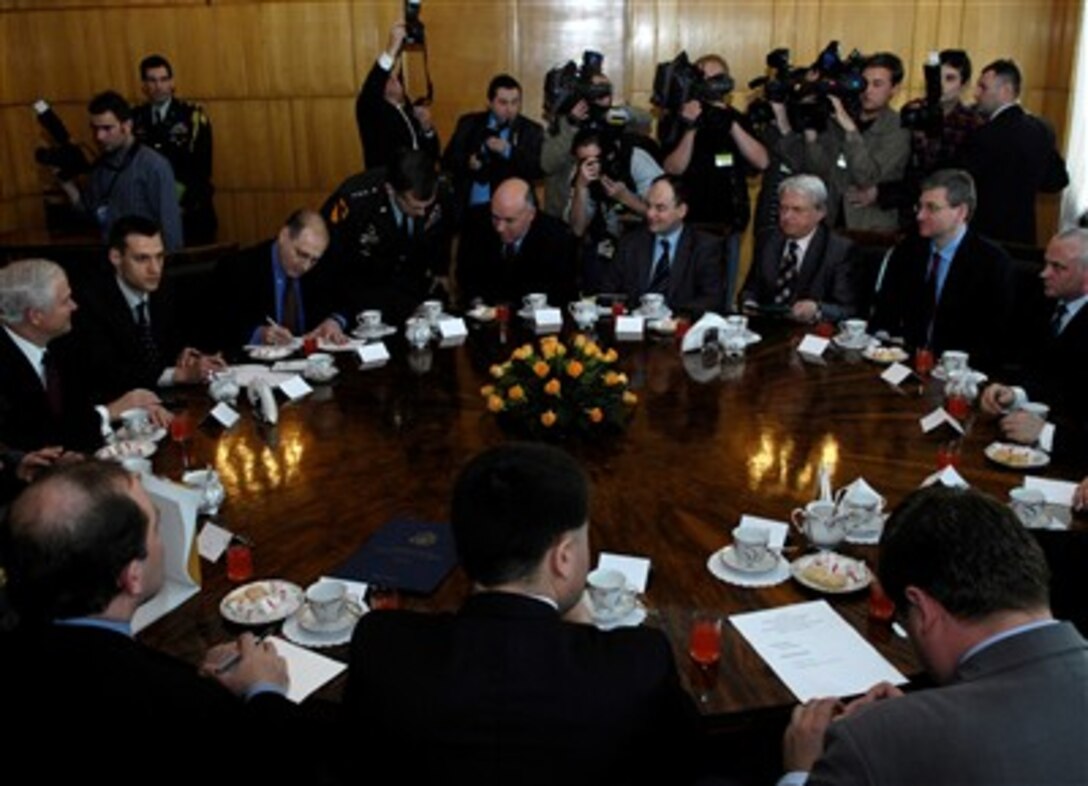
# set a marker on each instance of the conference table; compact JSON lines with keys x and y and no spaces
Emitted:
{"x":381,"y":444}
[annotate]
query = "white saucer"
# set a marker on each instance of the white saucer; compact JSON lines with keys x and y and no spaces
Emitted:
{"x":293,"y":631}
{"x":527,"y":312}
{"x":321,"y":376}
{"x":380,"y":331}
{"x":732,"y":561}
{"x":631,"y":618}
{"x":860,"y":343}
{"x":719,"y":570}
{"x":308,"y":622}
{"x":154,"y":435}
{"x":481,"y":313}
{"x":271,"y":351}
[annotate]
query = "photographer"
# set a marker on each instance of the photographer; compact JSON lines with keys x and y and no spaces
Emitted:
{"x":855,"y":155}
{"x":708,"y":146}
{"x":612,"y":177}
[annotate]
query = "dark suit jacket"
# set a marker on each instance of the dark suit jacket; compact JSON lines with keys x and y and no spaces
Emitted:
{"x":383,"y":130}
{"x":125,"y":704}
{"x":246,"y":289}
{"x":106,"y":341}
{"x":696,"y":283}
{"x":505,"y":692}
{"x":973,"y":312}
{"x":526,"y":136}
{"x":1014,"y":715}
{"x":543,"y":263}
{"x":26,"y":420}
{"x":1012,"y":158}
{"x":826,"y":275}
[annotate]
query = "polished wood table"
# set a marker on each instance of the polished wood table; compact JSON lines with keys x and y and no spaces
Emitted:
{"x":381,"y":444}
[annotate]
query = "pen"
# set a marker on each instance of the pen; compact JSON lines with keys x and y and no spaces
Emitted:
{"x":234,"y":659}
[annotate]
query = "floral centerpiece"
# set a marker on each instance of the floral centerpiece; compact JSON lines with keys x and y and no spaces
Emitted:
{"x":555,"y":388}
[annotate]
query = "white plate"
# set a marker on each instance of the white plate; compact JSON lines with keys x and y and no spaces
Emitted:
{"x":1016,"y":456}
{"x":482,"y":313}
{"x":861,"y":342}
{"x":261,"y":602}
{"x":292,"y":631}
{"x":732,"y":561}
{"x":718,"y":569}
{"x":884,"y":355}
{"x":856,"y":574}
{"x":125,"y":448}
{"x":308,"y":622}
{"x":665,"y":326}
{"x":374,"y":333}
{"x":155,"y":435}
{"x":271,"y":352}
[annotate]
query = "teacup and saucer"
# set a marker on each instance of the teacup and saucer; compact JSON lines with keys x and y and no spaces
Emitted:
{"x":327,"y":609}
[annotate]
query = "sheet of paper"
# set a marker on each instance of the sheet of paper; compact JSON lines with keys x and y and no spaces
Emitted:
{"x":295,"y":388}
{"x":548,"y":318}
{"x":813,"y":345}
{"x":1056,"y":492}
{"x":454,"y":327}
{"x":225,"y":414}
{"x":896,"y":373}
{"x":308,"y":670}
{"x":629,"y":328}
{"x":777,"y":529}
{"x":213,"y":541}
{"x":635,"y":569}
{"x":937,"y":418}
{"x":814,"y":651}
{"x":372,"y":354}
{"x":948,"y":476}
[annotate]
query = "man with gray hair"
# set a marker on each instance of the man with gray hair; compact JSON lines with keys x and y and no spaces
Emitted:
{"x":802,"y":270}
{"x":1056,"y":371}
{"x":948,"y":287}
{"x":41,"y":407}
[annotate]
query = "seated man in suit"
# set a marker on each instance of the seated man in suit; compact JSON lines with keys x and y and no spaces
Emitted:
{"x":802,"y":268}
{"x":390,"y":244}
{"x":948,"y":287}
{"x":667,"y":257}
{"x":266,"y":296}
{"x":43,"y":401}
{"x":529,"y":251}
{"x":83,"y":550}
{"x":506,"y":690}
{"x":1056,"y":371}
{"x":126,"y":332}
{"x":1012,"y":701}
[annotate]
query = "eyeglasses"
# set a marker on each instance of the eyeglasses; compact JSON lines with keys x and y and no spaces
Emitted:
{"x":930,"y":207}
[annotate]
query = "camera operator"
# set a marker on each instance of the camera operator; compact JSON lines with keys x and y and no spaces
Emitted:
{"x":611,"y":179}
{"x":852,"y":155}
{"x":387,"y":121}
{"x":709,"y":147}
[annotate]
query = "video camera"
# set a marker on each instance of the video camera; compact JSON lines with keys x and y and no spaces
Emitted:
{"x":414,"y":32}
{"x":926,"y":116}
{"x":805,"y":90}
{"x":679,"y":81}
{"x":64,"y":155}
{"x":566,"y":85}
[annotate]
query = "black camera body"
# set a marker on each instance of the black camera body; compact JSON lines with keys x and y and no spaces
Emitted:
{"x":414,"y":32}
{"x":804,"y":91}
{"x":566,"y":85}
{"x":926,"y":116}
{"x":64,"y":155}
{"x":679,"y":81}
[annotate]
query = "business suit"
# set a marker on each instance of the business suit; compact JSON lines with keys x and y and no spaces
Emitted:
{"x":123,"y":705}
{"x":505,"y":692}
{"x":106,"y":338}
{"x":1013,"y":715}
{"x":972,"y":314}
{"x":385,"y":129}
{"x":695,"y":278}
{"x":27,"y":421}
{"x":826,"y":274}
{"x":544,"y":262}
{"x":1012,"y":158}
{"x":525,"y":138}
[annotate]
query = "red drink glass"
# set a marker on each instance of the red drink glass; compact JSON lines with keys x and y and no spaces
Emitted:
{"x":958,"y":406}
{"x":618,"y":309}
{"x":881,"y":607}
{"x":923,"y":361}
{"x":948,"y":455}
{"x":309,"y":345}
{"x":705,"y":641}
{"x":502,"y":313}
{"x":379,"y":597}
{"x":239,"y":562}
{"x":181,"y":431}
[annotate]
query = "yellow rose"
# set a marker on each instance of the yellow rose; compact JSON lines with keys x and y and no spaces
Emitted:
{"x":523,"y":353}
{"x":621,"y":378}
{"x":611,"y":378}
{"x":552,"y":388}
{"x":541,"y":369}
{"x":595,"y":415}
{"x":610,"y":356}
{"x":487,"y":390}
{"x":516,"y":393}
{"x":629,"y":398}
{"x":548,"y":419}
{"x":495,"y":403}
{"x":580,"y":340}
{"x":560,"y":350}
{"x":591,"y":350}
{"x":496,"y":371}
{"x":575,"y":369}
{"x":548,"y":351}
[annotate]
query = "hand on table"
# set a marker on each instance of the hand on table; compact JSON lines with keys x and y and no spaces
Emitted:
{"x":803,"y":742}
{"x":329,"y":331}
{"x":194,"y":367}
{"x":241,"y":664}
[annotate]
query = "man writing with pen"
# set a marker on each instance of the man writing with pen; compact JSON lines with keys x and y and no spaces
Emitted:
{"x":273,"y":292}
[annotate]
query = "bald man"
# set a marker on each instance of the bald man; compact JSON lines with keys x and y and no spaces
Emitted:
{"x":529,"y":251}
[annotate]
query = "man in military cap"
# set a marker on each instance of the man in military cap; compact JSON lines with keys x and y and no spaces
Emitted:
{"x":182,"y":133}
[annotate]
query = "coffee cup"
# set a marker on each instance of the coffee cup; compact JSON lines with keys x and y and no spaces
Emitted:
{"x":584,"y":313}
{"x":319,"y":363}
{"x":953,"y":361}
{"x":1029,"y":505}
{"x":653,"y":303}
{"x":432,"y":310}
{"x":137,"y":421}
{"x":854,"y":329}
{"x":370,"y":319}
{"x":609,"y":593}
{"x":535,"y":301}
{"x":818,"y":522}
{"x":326,"y":600}
{"x":750,"y":545}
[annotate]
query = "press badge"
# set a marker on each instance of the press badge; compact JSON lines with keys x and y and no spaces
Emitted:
{"x":723,"y":160}
{"x":606,"y":249}
{"x":841,"y":162}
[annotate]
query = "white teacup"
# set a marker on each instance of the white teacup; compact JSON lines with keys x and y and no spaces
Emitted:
{"x":432,"y":310}
{"x":750,"y":545}
{"x":418,"y":332}
{"x":584,"y":313}
{"x":326,"y":600}
{"x":736,"y":323}
{"x":818,"y":522}
{"x":371,"y":318}
{"x":609,"y":593}
{"x":653,"y":303}
{"x":137,"y":421}
{"x":319,"y":363}
{"x":953,"y":361}
{"x":854,"y":329}
{"x":535,"y":301}
{"x":1029,"y":505}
